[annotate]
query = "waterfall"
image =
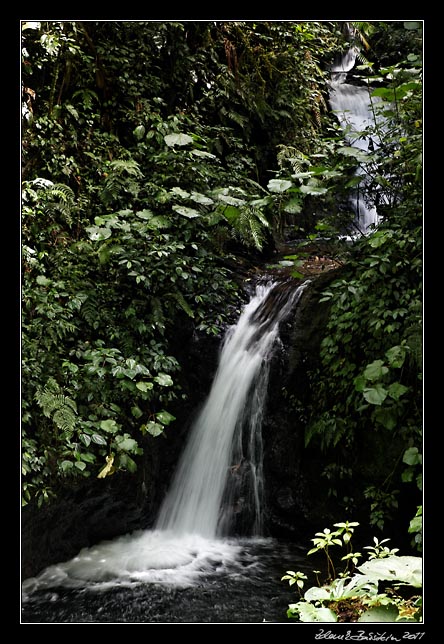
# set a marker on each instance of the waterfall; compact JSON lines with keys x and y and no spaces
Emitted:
{"x":219,"y":475}
{"x":352,"y":106}
{"x":215,"y":462}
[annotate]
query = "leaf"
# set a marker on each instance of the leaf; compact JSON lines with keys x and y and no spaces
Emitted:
{"x":396,"y":390}
{"x":407,"y":569}
{"x":144,"y":386}
{"x":396,"y":356}
{"x":412,"y":456}
{"x":293,"y":207}
{"x":164,"y":379}
{"x":200,"y":198}
{"x":313,"y":189}
{"x":375,"y":395}
{"x":139,"y":132}
{"x":109,"y":425}
{"x":155,"y":429}
{"x":375,"y":370}
{"x":108,"y":469}
{"x":165,"y":417}
{"x":98,"y":234}
{"x":98,"y":439}
{"x":190,"y":213}
{"x":309,"y":613}
{"x":177,"y":139}
{"x":179,"y":192}
{"x":86,"y":439}
{"x":278,"y":185}
{"x":66,"y":465}
{"x":126,"y":443}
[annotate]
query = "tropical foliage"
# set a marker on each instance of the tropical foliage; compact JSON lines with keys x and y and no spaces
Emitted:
{"x":155,"y":156}
{"x":387,"y":587}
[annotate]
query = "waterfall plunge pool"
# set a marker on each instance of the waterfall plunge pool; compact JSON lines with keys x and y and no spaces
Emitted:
{"x":155,"y":577}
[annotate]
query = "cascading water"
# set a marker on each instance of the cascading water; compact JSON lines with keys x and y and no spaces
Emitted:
{"x":219,"y":473}
{"x":352,"y":105}
{"x":214,"y":458}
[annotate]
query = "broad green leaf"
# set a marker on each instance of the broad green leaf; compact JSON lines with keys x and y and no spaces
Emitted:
{"x":412,"y":456}
{"x":80,"y":465}
{"x":406,"y":569}
{"x":396,"y":356}
{"x":109,"y":425}
{"x":144,"y":386}
{"x":231,"y":201}
{"x":293,"y":207}
{"x":200,"y":198}
{"x":136,"y":411}
{"x":144,"y":214}
{"x":66,"y":465}
{"x":190,"y":213}
{"x":202,"y":153}
{"x":396,"y":390}
{"x":177,"y":139}
{"x":86,"y":439}
{"x":316,"y":593}
{"x":278,"y":185}
{"x":98,"y":234}
{"x":179,"y":192}
{"x":309,"y":613}
{"x":313,"y":189}
{"x":231,"y":213}
{"x":98,"y":439}
{"x":155,"y":429}
{"x":375,"y":395}
{"x":42,"y":280}
{"x":375,"y":370}
{"x":139,"y":132}
{"x":126,"y":443}
{"x":165,"y":417}
{"x":164,"y":379}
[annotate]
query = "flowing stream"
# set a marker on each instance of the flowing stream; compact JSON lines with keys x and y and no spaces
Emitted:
{"x":189,"y":567}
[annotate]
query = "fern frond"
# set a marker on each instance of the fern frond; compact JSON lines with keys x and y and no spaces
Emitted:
{"x":55,"y":405}
{"x":90,"y":311}
{"x":131,"y":167}
{"x":157,"y":313}
{"x":256,"y":233}
{"x":183,"y":303}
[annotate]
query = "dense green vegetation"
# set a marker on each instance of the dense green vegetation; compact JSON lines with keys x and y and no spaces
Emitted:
{"x":154,"y":156}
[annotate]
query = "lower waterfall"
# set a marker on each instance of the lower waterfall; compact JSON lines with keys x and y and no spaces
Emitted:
{"x":219,"y":476}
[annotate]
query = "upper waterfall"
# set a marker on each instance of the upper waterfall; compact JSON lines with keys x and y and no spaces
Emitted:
{"x":352,"y":105}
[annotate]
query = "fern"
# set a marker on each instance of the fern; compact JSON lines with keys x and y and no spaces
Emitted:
{"x":122,"y":178}
{"x":249,"y":226}
{"x":90,"y":312}
{"x":183,"y":303}
{"x":55,"y":405}
{"x":60,"y":198}
{"x":157,"y":313}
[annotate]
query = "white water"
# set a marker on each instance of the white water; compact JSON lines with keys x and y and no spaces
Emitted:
{"x":187,"y":541}
{"x":353,"y":108}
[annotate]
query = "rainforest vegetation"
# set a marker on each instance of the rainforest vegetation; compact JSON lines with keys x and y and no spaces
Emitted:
{"x":158,"y":159}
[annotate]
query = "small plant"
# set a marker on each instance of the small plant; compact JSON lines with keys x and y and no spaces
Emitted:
{"x":370,"y":595}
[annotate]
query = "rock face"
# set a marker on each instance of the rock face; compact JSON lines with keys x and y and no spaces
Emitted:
{"x":296,"y":502}
{"x":291,"y":472}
